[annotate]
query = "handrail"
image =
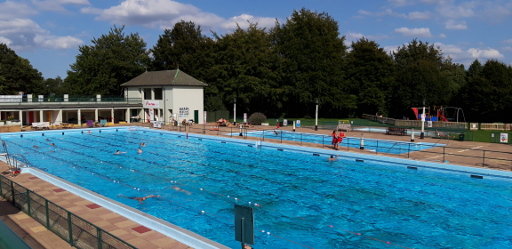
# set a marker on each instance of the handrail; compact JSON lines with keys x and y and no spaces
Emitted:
{"x":26,"y":203}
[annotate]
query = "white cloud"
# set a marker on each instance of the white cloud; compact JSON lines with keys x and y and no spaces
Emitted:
{"x":245,"y":19}
{"x":415,"y":32}
{"x":164,"y":13}
{"x":24,"y":34}
{"x":453,"y":51}
{"x":418,"y":15}
{"x":509,"y":41}
{"x":10,"y":9}
{"x":57,"y":42}
{"x":453,"y":25}
{"x":442,"y":35}
{"x":449,"y":10}
{"x":509,"y":49}
{"x":5,"y":41}
{"x":57,"y":5}
{"x":489,"y":53}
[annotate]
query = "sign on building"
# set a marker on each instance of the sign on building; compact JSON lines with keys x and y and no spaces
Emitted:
{"x":504,"y":138}
{"x":183,"y":112}
{"x":151,"y":104}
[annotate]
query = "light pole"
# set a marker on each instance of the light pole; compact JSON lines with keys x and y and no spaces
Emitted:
{"x":316,"y":115}
{"x":422,"y":134}
{"x":234,"y":111}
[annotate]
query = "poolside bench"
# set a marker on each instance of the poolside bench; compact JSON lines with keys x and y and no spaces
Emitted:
{"x":396,"y":131}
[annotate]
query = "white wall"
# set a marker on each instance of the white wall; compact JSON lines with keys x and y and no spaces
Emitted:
{"x":191,"y":97}
{"x":133,"y":93}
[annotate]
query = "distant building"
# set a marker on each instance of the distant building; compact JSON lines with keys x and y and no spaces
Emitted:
{"x":151,"y":96}
{"x":167,"y":95}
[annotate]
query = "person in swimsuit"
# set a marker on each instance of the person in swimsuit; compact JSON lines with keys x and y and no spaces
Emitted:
{"x":141,"y":199}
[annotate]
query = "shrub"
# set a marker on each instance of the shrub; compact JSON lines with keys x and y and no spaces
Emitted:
{"x":257,"y":118}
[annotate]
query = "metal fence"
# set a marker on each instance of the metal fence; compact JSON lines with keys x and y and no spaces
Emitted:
{"x":443,"y":154}
{"x":70,"y":227}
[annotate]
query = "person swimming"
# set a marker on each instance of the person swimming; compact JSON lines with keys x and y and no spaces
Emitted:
{"x":332,"y":158}
{"x":139,"y":151}
{"x":143,"y":198}
{"x":118,"y":152}
{"x":142,"y":144}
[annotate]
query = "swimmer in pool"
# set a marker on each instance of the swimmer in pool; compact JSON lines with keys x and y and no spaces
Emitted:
{"x":332,"y":158}
{"x":141,"y":199}
{"x":118,"y":152}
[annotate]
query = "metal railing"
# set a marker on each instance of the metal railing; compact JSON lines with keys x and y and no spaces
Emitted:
{"x":70,"y":227}
{"x":445,"y":154}
{"x":70,"y":100}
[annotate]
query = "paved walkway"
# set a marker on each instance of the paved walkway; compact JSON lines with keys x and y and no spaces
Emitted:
{"x":125,"y":229}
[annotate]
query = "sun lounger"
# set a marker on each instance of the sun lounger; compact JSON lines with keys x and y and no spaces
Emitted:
{"x":41,"y":125}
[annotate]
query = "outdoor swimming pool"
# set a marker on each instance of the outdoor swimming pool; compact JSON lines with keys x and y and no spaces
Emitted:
{"x":379,"y":145}
{"x":301,"y":200}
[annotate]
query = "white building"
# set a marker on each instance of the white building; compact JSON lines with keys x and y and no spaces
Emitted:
{"x":167,"y":95}
{"x":158,"y":95}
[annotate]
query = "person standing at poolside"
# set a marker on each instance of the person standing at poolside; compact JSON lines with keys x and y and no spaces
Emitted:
{"x":340,"y":139}
{"x":334,"y":140}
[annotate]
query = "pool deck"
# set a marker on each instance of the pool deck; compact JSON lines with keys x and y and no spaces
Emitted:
{"x":127,"y":230}
{"x":37,"y":236}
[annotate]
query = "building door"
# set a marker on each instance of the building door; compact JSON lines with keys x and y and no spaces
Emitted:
{"x":196,"y":116}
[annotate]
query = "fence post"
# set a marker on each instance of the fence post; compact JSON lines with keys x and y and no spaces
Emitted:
{"x":409,"y":151}
{"x":377,"y":149}
{"x":70,"y":229}
{"x":100,"y":246}
{"x":444,"y":154}
{"x":323,"y":141}
{"x":301,"y":138}
{"x":12,"y":194}
{"x":483,"y":158}
{"x":1,"y":194}
{"x":263,"y":135}
{"x":281,"y":136}
{"x":28,"y":203}
{"x":47,"y":213}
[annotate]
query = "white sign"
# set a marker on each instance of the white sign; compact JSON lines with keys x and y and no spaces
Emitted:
{"x":183,"y":112}
{"x":151,"y":104}
{"x":297,"y":123}
{"x":504,"y":138}
{"x":429,"y":123}
{"x":285,"y":122}
{"x":245,"y":117}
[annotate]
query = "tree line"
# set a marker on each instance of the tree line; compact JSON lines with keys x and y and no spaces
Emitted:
{"x":282,"y":71}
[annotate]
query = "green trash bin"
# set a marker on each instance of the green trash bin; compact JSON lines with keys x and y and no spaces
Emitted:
{"x":461,"y":137}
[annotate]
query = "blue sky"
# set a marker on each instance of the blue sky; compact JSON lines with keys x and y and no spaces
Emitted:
{"x":49,"y":32}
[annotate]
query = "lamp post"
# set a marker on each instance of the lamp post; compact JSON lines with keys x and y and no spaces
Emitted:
{"x":234,"y":111}
{"x":316,"y":115}
{"x":422,"y":134}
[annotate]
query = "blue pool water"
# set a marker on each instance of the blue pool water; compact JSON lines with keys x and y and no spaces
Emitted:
{"x":378,"y":145}
{"x":300,"y":200}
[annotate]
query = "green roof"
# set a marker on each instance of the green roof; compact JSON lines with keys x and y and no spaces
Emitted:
{"x":164,"y":78}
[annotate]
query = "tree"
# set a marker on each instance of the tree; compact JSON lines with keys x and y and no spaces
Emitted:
{"x":422,"y":75}
{"x":312,"y":52}
{"x":183,"y":47}
{"x":246,"y":69}
{"x":17,"y":74}
{"x":111,"y":60}
{"x":370,"y":73}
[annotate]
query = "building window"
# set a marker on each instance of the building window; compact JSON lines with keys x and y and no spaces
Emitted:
{"x":147,"y":93}
{"x":158,"y":93}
